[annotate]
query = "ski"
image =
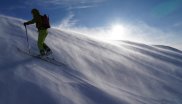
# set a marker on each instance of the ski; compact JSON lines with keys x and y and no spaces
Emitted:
{"x":44,"y":58}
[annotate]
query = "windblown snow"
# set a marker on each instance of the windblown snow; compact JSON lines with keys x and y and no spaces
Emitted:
{"x":95,"y":73}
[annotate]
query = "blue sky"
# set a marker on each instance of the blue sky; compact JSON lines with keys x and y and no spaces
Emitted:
{"x":156,"y":17}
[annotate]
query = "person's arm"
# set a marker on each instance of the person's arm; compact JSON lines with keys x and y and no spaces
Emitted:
{"x":29,"y":22}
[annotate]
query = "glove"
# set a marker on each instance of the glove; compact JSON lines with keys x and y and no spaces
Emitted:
{"x":25,"y":24}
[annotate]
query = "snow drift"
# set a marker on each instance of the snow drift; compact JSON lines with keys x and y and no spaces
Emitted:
{"x":95,"y":73}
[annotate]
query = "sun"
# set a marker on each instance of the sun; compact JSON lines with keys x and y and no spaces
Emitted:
{"x":117,"y":29}
{"x":118,"y":32}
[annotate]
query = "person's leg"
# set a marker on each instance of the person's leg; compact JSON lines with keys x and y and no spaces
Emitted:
{"x":41,"y":39}
{"x":46,"y":47}
{"x":48,"y":51}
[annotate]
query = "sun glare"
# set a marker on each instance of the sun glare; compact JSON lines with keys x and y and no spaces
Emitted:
{"x":118,"y":32}
{"x":117,"y":29}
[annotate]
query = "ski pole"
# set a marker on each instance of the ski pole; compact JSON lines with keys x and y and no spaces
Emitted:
{"x":27,"y":40}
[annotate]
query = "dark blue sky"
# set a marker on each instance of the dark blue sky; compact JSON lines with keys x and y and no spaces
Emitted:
{"x":163,"y":15}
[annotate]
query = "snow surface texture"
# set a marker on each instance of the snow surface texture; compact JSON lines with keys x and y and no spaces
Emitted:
{"x":95,"y":72}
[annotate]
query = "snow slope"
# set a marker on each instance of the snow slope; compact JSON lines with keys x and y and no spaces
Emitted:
{"x":95,"y":73}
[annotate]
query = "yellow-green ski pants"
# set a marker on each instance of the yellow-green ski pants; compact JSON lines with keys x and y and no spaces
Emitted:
{"x":41,"y":38}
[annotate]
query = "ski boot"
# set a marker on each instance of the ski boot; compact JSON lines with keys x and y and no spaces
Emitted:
{"x":42,"y":53}
{"x":48,"y":51}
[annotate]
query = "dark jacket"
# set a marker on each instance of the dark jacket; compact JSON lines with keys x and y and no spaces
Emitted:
{"x":37,"y":18}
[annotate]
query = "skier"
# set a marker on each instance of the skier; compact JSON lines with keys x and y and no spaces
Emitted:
{"x":42,"y":31}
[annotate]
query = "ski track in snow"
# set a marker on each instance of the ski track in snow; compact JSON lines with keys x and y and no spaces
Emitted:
{"x":96,"y":72}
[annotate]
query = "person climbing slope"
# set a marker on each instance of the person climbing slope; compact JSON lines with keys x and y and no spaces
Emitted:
{"x":42,"y":24}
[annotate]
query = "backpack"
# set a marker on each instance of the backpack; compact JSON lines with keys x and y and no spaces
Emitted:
{"x":45,"y":21}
